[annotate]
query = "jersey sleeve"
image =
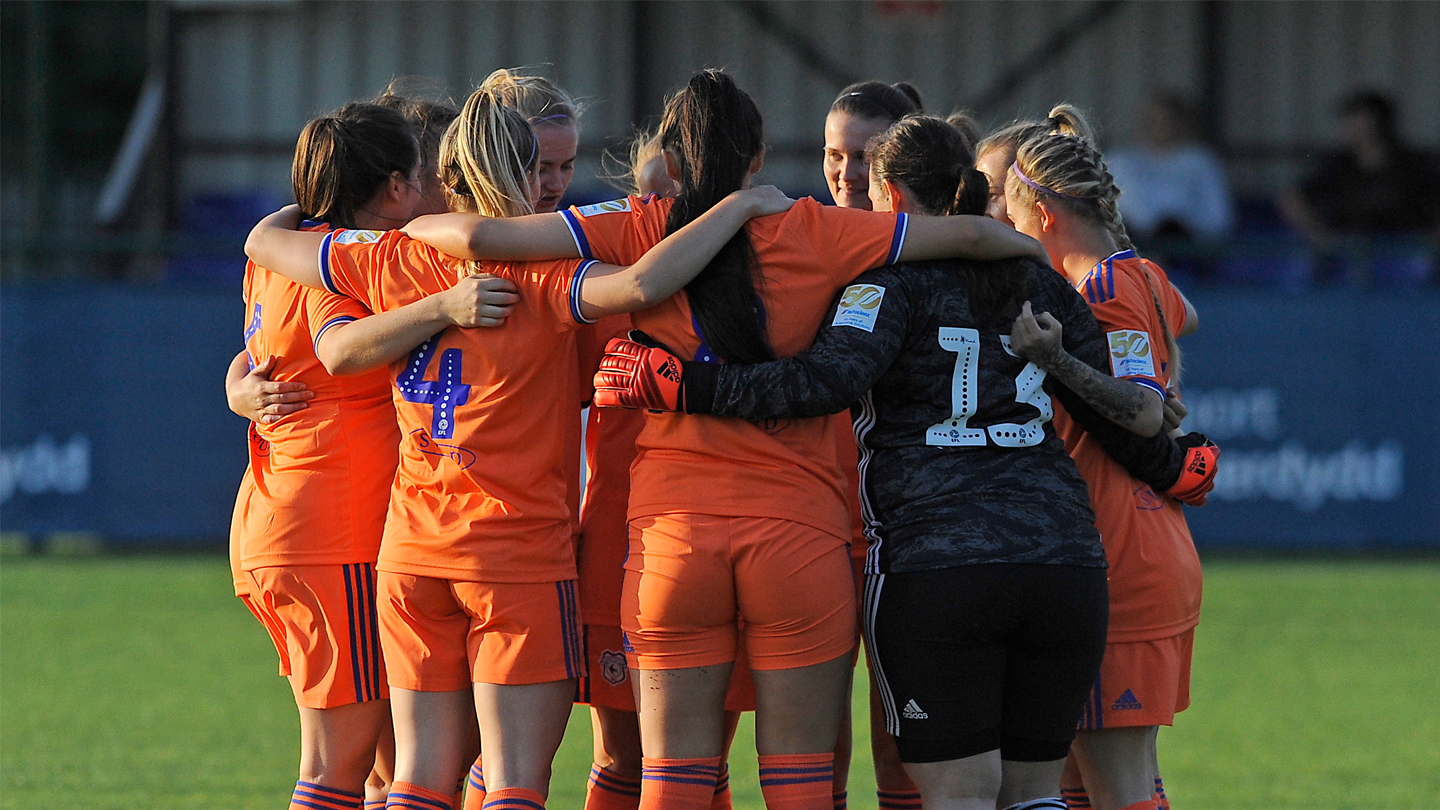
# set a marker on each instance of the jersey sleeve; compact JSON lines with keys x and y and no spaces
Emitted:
{"x":556,"y":285}
{"x":383,"y":270}
{"x":325,"y":310}
{"x":1130,"y":326}
{"x":853,"y":241}
{"x":618,"y":231}
{"x":853,"y":349}
{"x":1156,"y":460}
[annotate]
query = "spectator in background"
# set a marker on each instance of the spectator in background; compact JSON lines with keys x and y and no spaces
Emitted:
{"x":1375,"y":186}
{"x":1174,"y":185}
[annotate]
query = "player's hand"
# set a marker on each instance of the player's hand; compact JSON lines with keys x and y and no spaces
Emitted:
{"x":479,"y":300}
{"x":639,"y":373}
{"x":256,"y":398}
{"x":1037,"y":338}
{"x":1174,"y":411}
{"x":763,"y":200}
{"x":1197,"y":477}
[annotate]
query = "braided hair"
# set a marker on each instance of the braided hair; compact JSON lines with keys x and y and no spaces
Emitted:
{"x":1057,"y":159}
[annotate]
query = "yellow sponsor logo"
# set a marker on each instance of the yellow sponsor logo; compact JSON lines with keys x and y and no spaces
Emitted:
{"x":862,"y":296}
{"x":1125,"y":345}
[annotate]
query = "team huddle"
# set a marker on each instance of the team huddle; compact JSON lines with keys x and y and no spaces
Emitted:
{"x":942,"y":414}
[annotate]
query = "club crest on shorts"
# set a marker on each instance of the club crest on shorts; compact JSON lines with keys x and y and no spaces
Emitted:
{"x":613,"y":667}
{"x":859,"y":306}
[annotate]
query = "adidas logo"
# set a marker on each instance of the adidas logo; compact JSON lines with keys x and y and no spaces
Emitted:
{"x":670,"y":370}
{"x":913,"y":712}
{"x":1126,"y":701}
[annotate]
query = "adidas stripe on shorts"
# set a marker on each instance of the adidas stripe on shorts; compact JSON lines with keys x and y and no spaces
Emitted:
{"x":978,"y":657}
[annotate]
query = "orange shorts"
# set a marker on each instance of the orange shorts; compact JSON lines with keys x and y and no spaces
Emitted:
{"x":441,"y":635}
{"x":608,"y":684}
{"x":1141,"y":683}
{"x":322,"y":620}
{"x":688,"y":577}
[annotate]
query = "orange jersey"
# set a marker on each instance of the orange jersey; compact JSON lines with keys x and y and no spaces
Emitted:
{"x":609,"y":449}
{"x":707,"y":465}
{"x":1154,"y":570}
{"x":480,"y":494}
{"x":319,"y":477}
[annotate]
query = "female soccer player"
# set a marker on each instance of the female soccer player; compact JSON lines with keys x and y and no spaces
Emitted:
{"x":1059,"y":191}
{"x":477,"y":569}
{"x":307,"y":578}
{"x":862,"y":112}
{"x":985,"y":603}
{"x":764,"y":534}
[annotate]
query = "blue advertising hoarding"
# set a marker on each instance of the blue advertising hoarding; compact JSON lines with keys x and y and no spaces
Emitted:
{"x":113,"y":419}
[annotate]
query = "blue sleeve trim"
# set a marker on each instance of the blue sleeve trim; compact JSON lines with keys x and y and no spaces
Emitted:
{"x":902,"y":222}
{"x":1148,"y":383}
{"x":336,"y":321}
{"x":575,"y":285}
{"x":577,"y":233}
{"x":325,"y":264}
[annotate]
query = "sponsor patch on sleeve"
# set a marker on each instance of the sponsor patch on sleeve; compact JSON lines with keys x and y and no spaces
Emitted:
{"x":619,"y":206}
{"x":351,"y":236}
{"x":859,"y":306}
{"x":1130,"y":354}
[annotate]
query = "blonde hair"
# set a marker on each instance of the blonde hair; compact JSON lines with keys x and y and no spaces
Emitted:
{"x":1064,"y":118}
{"x":535,"y":97}
{"x":1060,"y":161}
{"x":487,"y":157}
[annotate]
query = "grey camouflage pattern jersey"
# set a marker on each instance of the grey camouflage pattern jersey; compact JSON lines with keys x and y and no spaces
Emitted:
{"x":959,"y":461}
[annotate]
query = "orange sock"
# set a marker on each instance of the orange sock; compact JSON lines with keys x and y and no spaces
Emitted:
{"x":1151,"y":803}
{"x":374,"y":804}
{"x":1075,"y":798}
{"x":1160,"y":794}
{"x":514,"y":799}
{"x":798,"y":781}
{"x":475,"y":787}
{"x":410,"y":796}
{"x":678,"y":784}
{"x":840,"y":799}
{"x":610,"y":791}
{"x":314,"y":796}
{"x":721,"y":799}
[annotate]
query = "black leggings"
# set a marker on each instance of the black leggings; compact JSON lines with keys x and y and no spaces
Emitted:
{"x":979,"y":657}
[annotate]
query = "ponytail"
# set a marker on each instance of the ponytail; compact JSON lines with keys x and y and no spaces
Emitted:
{"x":487,"y":158}
{"x":715,"y":132}
{"x":342,"y":160}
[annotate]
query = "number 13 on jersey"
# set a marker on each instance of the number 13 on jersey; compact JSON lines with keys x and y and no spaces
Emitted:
{"x":965,"y":396}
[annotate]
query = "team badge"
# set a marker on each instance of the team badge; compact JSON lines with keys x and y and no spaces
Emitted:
{"x":613,"y":667}
{"x":619,"y":206}
{"x":351,"y":236}
{"x":859,"y":306}
{"x":1130,"y":354}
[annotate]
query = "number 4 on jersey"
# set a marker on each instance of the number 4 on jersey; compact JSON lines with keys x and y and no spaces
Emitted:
{"x":445,"y":394}
{"x":965,"y":393}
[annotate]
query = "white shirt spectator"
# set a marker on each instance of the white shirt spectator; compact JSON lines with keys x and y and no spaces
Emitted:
{"x":1185,"y":184}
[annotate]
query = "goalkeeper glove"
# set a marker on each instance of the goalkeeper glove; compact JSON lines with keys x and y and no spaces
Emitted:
{"x":639,"y":373}
{"x":1197,"y":477}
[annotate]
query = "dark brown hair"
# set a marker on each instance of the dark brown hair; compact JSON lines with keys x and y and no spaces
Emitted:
{"x":428,"y":119}
{"x":878,"y":100}
{"x":343,"y":159}
{"x":714,"y":130}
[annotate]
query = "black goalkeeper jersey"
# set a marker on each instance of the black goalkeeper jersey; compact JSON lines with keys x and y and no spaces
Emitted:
{"x":959,"y":461}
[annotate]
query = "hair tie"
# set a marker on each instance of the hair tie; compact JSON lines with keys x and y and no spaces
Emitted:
{"x":534,"y":147}
{"x":1032,"y":184}
{"x":548,"y":118}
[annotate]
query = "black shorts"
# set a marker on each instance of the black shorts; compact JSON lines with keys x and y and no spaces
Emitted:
{"x":979,"y":657}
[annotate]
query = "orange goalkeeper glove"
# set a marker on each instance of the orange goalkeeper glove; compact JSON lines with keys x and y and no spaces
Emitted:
{"x":1197,"y":477}
{"x":639,"y":373}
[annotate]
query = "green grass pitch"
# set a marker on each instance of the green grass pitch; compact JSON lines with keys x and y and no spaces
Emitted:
{"x":134,"y":682}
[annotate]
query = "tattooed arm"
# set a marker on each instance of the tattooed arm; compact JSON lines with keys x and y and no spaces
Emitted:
{"x":1038,"y":338}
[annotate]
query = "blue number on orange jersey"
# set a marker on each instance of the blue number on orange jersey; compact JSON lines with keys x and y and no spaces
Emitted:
{"x":445,"y":394}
